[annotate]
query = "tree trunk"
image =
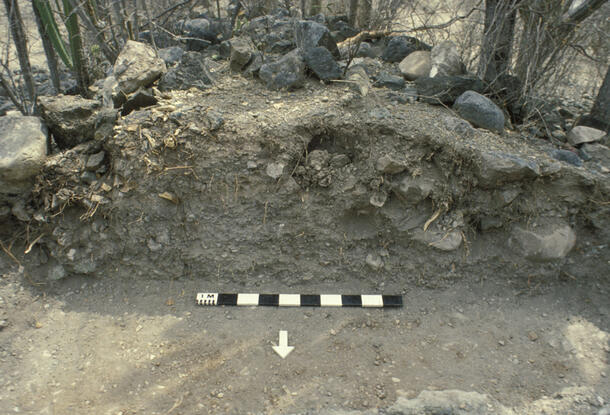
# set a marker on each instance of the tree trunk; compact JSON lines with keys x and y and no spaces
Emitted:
{"x":498,"y":36}
{"x":547,"y":31}
{"x":48,"y":50}
{"x":315,"y":7}
{"x":353,"y":13}
{"x":365,"y":13}
{"x":76,"y":48}
{"x":601,"y":108}
{"x":21,"y":44}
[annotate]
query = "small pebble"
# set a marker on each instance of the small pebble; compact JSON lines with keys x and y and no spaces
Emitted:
{"x":532,"y":336}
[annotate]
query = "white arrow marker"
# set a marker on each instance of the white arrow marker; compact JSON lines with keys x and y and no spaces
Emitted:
{"x":282,"y":348}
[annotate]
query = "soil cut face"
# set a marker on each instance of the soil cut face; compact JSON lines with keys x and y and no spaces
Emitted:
{"x":500,"y":251}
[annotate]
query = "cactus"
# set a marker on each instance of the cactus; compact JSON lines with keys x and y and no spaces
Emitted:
{"x":71,"y":53}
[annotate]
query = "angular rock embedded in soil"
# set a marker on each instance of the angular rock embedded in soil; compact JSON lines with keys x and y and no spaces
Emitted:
{"x":446,"y":60}
{"x":286,"y":73}
{"x":446,"y":89}
{"x":322,"y":63}
{"x":416,"y":65}
{"x":544,"y":243}
{"x":310,"y":34}
{"x":70,"y":118}
{"x":137,"y":66}
{"x":23,"y":151}
{"x":581,"y":135}
{"x":480,"y":111}
{"x":390,"y":165}
{"x":497,"y":168}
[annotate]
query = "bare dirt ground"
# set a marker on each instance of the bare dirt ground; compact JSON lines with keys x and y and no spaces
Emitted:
{"x":108,"y":346}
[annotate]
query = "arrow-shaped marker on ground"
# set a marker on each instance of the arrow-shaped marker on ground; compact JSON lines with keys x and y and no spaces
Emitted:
{"x":282,"y":348}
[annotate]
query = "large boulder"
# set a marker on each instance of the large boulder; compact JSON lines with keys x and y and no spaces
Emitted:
{"x":309,"y":35}
{"x":192,"y":71}
{"x":71,"y":118}
{"x":416,"y":65}
{"x":399,"y":47}
{"x":23,"y":150}
{"x":480,"y":111}
{"x":137,"y":66}
{"x":446,"y":60}
{"x":322,"y":63}
{"x":286,"y":73}
{"x":446,"y":89}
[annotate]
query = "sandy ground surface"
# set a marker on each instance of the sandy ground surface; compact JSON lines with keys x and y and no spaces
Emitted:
{"x":106,"y":346}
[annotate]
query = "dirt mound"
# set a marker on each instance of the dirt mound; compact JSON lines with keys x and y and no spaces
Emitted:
{"x":245,"y":184}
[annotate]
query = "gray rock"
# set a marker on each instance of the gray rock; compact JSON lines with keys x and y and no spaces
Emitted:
{"x":446,"y":89}
{"x":171,"y":55}
{"x":581,"y":134}
{"x":95,"y":161}
{"x":204,"y":32}
{"x":104,"y":124}
{"x":137,"y":66}
{"x":23,"y":151}
{"x":191,"y":72}
{"x":162,"y":39}
{"x":309,"y":34}
{"x":416,"y":65}
{"x":378,"y":199}
{"x":142,"y":98}
{"x":322,"y":63}
{"x":544,"y":243}
{"x":242,"y":51}
{"x":412,"y":190}
{"x":598,"y":152}
{"x":365,"y":50}
{"x":254,"y":66}
{"x":374,"y":261}
{"x":359,"y":80}
{"x":496,"y":168}
{"x":339,"y":160}
{"x":318,"y":159}
{"x":286,"y":73}
{"x":399,"y":47}
{"x":111,"y":94}
{"x":390,"y":165}
{"x":446,"y":60}
{"x":567,"y":156}
{"x":458,"y":125}
{"x":447,"y":402}
{"x":71,"y":118}
{"x":56,"y":272}
{"x":480,"y":111}
{"x":385,"y":80}
{"x":275,"y":170}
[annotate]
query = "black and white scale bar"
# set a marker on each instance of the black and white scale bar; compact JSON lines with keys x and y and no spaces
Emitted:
{"x":300,"y":300}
